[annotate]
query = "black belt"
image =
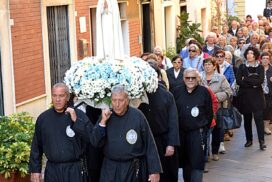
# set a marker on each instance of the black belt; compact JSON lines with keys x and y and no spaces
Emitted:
{"x":64,"y":162}
{"x":136,"y":162}
{"x":126,"y":160}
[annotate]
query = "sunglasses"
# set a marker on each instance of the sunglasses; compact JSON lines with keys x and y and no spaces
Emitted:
{"x":219,"y":56}
{"x":190,"y":78}
{"x":241,"y":42}
{"x":176,"y":62}
{"x":190,"y":50}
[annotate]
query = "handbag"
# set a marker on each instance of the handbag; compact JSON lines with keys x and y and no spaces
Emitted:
{"x":229,"y":118}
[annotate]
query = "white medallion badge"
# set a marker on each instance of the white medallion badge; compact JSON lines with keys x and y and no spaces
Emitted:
{"x":69,"y":131}
{"x":195,"y":112}
{"x":131,"y":136}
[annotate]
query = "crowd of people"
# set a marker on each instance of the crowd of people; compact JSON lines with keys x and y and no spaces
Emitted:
{"x":179,"y":126}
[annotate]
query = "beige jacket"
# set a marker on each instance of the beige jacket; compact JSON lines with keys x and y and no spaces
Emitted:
{"x":219,"y":85}
{"x":165,"y":78}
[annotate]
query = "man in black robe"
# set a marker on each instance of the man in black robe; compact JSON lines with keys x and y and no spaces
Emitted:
{"x":161,"y":114}
{"x":94,"y":154}
{"x":62,"y":146}
{"x":130,"y":152}
{"x":195,"y":114}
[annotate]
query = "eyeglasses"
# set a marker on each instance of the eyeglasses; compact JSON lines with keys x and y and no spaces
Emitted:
{"x":190,"y":78}
{"x":219,"y":56}
{"x":241,"y":42}
{"x":190,"y":50}
{"x":176,"y":62}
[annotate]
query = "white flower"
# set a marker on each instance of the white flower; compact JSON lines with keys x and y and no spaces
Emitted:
{"x":93,"y":79}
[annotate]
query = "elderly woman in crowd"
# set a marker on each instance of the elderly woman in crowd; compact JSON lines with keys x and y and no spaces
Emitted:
{"x":164,"y":62}
{"x":221,"y":87}
{"x":233,"y":42}
{"x":222,"y":42}
{"x":164,"y":78}
{"x":241,"y":43}
{"x":225,"y":33}
{"x":250,"y":77}
{"x":239,"y":33}
{"x":267,"y":88}
{"x":228,"y":57}
{"x":194,"y":60}
{"x":225,"y":68}
{"x":266,"y":47}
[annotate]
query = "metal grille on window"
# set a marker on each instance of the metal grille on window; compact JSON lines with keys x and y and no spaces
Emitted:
{"x":58,"y":41}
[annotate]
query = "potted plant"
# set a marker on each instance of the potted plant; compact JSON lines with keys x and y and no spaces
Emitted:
{"x":16,"y":132}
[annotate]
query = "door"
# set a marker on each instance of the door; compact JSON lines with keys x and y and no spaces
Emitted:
{"x":58,"y":41}
{"x":146,"y":28}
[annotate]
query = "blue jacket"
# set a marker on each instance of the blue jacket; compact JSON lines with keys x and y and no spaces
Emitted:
{"x":229,"y":73}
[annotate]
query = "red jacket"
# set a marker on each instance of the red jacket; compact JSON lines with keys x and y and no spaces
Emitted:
{"x":215,"y":105}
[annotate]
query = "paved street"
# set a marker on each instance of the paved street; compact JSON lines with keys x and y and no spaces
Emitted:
{"x":241,"y":164}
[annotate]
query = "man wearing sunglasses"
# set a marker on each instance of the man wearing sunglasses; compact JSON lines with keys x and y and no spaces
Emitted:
{"x":195,"y":114}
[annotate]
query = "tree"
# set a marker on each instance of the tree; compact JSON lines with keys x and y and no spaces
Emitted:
{"x":186,"y":30}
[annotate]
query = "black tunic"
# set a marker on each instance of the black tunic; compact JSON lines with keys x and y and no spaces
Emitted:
{"x":162,"y":116}
{"x":63,"y":152}
{"x":94,"y":155}
{"x":119,"y":162}
{"x":250,"y":94}
{"x":192,"y":128}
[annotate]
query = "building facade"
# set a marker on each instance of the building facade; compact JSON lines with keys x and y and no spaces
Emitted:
{"x":40,"y":39}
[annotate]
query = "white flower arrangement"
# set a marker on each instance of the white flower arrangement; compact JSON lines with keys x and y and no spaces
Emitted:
{"x":91,"y":79}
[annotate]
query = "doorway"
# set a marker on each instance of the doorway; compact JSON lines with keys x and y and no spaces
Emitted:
{"x":58,"y":41}
{"x":146,"y":28}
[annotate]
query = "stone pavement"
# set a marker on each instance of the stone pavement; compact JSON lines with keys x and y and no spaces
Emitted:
{"x":241,"y":164}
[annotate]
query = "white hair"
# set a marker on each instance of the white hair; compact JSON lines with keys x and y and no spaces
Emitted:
{"x":117,"y":89}
{"x":189,"y":70}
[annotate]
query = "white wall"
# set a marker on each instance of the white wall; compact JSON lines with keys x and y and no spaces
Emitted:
{"x":194,"y":9}
{"x":6,"y":59}
{"x":254,"y":7}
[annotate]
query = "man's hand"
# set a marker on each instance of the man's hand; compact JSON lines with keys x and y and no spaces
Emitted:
{"x":270,"y":79}
{"x":72,"y":113}
{"x":106,"y":113}
{"x":170,"y":150}
{"x":154,"y":177}
{"x":36,"y":177}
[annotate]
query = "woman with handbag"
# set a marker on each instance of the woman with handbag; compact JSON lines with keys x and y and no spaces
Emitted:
{"x":250,"y":77}
{"x":267,"y":88}
{"x":221,"y":88}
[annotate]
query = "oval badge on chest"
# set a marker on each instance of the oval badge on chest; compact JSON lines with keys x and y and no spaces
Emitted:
{"x":69,"y":131}
{"x":195,"y":111}
{"x":131,"y":136}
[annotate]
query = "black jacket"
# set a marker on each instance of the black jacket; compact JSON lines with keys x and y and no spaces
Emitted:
{"x":267,"y":12}
{"x":173,"y":81}
{"x":250,"y":94}
{"x":161,"y":114}
{"x":232,"y":33}
{"x":199,"y":99}
{"x":211,"y":53}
